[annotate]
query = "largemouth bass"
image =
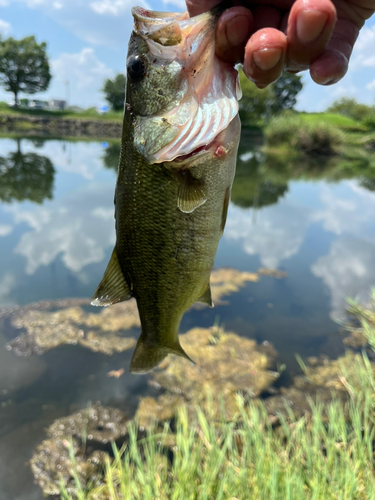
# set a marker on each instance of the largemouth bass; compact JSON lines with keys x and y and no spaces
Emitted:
{"x":179,"y":144}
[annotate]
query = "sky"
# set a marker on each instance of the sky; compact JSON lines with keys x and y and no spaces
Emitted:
{"x":87,"y":43}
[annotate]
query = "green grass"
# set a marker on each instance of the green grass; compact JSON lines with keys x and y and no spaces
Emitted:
{"x":343,"y":122}
{"x":326,"y":455}
{"x":311,"y":458}
{"x":90,"y":113}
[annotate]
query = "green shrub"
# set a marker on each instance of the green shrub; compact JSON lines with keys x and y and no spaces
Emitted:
{"x":369,"y":121}
{"x":350,"y":107}
{"x":310,"y":138}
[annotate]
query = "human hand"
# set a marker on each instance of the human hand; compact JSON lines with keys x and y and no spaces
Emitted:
{"x":293,"y":35}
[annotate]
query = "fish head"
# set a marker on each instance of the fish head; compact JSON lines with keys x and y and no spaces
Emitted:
{"x":180,"y":94}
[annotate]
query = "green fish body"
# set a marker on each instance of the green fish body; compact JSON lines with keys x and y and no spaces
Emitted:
{"x":179,"y":145}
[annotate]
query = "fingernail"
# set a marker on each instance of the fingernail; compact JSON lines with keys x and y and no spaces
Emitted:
{"x":237,"y":30}
{"x":267,"y":59}
{"x":310,"y":25}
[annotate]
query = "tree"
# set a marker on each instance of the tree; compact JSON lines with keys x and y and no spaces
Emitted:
{"x":251,"y":188}
{"x":114,"y":91}
{"x":285,"y":91}
{"x":26,"y":176}
{"x":111,"y":156}
{"x":259,"y":104}
{"x":24,"y":66}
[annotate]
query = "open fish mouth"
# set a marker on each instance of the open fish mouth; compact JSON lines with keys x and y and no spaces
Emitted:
{"x":207,"y":100}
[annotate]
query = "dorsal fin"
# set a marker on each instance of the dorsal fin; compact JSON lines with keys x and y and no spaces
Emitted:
{"x":113,"y":288}
{"x":149,"y":355}
{"x":206,"y":297}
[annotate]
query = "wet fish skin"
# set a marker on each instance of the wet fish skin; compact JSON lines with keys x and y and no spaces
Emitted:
{"x":170,"y":212}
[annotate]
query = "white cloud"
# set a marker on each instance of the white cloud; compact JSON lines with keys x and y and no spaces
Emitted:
{"x":347,"y":212}
{"x":110,"y":7}
{"x":84,"y":68}
{"x":371,"y":85}
{"x":180,"y":4}
{"x":277,"y":234}
{"x":363,"y":52}
{"x":84,"y":18}
{"x":348,"y":271}
{"x":5,"y":229}
{"x":5,"y":27}
{"x":7,"y":284}
{"x":79,"y":226}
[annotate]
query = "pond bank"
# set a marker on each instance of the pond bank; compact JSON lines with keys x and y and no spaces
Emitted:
{"x":57,"y":126}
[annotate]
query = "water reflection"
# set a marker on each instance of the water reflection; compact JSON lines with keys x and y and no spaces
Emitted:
{"x":348,"y":271}
{"x":313,"y":219}
{"x":111,"y":155}
{"x":251,"y":188}
{"x":25,"y":176}
{"x":275,"y":233}
{"x":77,"y":227}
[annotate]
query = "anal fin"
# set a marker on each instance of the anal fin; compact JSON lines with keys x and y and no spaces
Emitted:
{"x":149,"y":355}
{"x":113,"y":288}
{"x":206,"y":297}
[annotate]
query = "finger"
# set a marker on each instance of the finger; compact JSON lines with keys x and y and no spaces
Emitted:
{"x":265,"y":56}
{"x":196,"y":7}
{"x":332,"y":65}
{"x":266,"y":17}
{"x":232,"y":33}
{"x":310,"y":25}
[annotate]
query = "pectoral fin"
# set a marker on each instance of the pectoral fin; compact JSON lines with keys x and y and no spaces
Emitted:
{"x":148,"y":355}
{"x":206,"y":297}
{"x":113,"y":288}
{"x":191,"y":193}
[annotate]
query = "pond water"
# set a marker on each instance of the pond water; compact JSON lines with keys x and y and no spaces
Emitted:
{"x":57,"y":234}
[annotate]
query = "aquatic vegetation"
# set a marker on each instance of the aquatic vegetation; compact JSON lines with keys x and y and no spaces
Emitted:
{"x":226,"y":281}
{"x":107,"y":331}
{"x":46,"y":330}
{"x":319,"y":448}
{"x":226,"y":364}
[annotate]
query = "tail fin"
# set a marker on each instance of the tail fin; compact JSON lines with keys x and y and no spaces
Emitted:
{"x":148,"y":356}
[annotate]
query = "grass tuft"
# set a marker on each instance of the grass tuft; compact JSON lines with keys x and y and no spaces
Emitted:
{"x":325,"y":455}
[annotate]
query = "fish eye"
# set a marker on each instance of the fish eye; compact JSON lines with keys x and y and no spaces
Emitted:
{"x":136,"y":68}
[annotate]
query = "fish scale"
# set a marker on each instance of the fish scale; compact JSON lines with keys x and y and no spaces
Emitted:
{"x":170,"y":215}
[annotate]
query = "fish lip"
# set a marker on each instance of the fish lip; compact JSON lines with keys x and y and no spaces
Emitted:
{"x":146,"y":22}
{"x":190,"y":42}
{"x":157,"y":17}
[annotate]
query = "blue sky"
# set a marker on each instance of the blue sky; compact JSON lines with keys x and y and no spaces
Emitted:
{"x":87,"y":42}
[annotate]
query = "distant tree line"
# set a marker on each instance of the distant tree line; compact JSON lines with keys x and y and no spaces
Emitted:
{"x":275,"y":98}
{"x":347,"y":106}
